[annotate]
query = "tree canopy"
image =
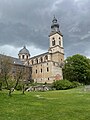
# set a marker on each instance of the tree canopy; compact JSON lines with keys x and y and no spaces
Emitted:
{"x":77,"y":68}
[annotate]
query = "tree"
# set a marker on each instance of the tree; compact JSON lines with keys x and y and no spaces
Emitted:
{"x":12,"y":74}
{"x":22,"y":75}
{"x":5,"y":69}
{"x":77,"y":68}
{"x":26,"y":77}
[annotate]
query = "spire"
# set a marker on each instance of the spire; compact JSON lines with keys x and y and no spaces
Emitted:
{"x":54,"y":20}
{"x":55,"y":27}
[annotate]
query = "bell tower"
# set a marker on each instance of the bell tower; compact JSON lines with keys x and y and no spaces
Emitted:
{"x":56,"y":42}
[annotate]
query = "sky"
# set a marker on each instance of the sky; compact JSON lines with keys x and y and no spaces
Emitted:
{"x":28,"y":22}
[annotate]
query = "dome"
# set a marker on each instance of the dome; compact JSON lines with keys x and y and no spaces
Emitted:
{"x":24,"y":51}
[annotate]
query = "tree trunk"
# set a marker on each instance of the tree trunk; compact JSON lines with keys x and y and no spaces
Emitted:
{"x":16,"y":83}
{"x":10,"y":91}
{"x":23,"y":90}
{"x":6,"y":82}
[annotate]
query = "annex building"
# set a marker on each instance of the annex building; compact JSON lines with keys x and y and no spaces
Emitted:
{"x":46,"y":67}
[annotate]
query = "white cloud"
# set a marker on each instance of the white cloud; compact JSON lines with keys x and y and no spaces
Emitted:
{"x":35,"y":51}
{"x":9,"y":50}
{"x":12,"y":51}
{"x":86,"y":36}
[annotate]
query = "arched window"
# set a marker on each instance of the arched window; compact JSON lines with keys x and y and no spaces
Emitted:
{"x":22,"y":56}
{"x":41,"y":59}
{"x":59,"y":42}
{"x":36,"y":60}
{"x":46,"y":57}
{"x":53,"y":42}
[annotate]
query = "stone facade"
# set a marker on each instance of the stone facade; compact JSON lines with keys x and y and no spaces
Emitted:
{"x":47,"y":67}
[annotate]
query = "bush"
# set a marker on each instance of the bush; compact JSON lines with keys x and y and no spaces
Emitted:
{"x":19,"y":87}
{"x":76,"y":84}
{"x":64,"y":84}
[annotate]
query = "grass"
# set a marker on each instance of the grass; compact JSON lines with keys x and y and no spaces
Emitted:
{"x":71,"y":104}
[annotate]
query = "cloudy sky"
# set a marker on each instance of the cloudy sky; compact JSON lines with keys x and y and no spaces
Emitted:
{"x":27,"y":22}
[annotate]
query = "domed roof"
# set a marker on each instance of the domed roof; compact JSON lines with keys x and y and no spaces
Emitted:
{"x":24,"y":51}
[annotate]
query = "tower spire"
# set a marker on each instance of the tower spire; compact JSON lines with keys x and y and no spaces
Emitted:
{"x":55,"y":26}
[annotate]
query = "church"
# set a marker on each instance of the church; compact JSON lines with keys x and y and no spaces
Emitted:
{"x":46,"y":67}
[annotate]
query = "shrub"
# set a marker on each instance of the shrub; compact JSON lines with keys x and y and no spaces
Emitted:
{"x":19,"y":87}
{"x":64,"y":84}
{"x":76,"y":84}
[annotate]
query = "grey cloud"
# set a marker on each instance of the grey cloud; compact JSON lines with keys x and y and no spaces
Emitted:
{"x":28,"y":22}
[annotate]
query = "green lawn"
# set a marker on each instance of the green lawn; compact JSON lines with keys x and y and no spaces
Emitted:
{"x":71,"y":104}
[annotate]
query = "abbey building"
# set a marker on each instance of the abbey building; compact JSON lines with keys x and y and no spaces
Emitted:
{"x":46,"y":67}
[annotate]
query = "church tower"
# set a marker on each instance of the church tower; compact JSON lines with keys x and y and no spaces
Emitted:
{"x":56,"y":42}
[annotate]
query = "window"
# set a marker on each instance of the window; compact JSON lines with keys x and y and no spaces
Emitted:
{"x":53,"y":42}
{"x":59,"y":38}
{"x":47,"y":69}
{"x":41,"y":70}
{"x":46,"y":58}
{"x":48,"y":78}
{"x":36,"y":60}
{"x":59,"y":42}
{"x":22,"y":56}
{"x":36,"y":71}
{"x":27,"y":57}
{"x":41,"y":59}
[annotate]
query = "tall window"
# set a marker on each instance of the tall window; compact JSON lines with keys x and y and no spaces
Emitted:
{"x":46,"y":57}
{"x":41,"y":59}
{"x":36,"y":71}
{"x":41,"y":70}
{"x":53,"y":42}
{"x":47,"y":69}
{"x":59,"y":42}
{"x":36,"y":60}
{"x":22,"y":56}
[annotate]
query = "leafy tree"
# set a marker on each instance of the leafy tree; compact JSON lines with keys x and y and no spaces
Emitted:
{"x":25,"y":77}
{"x":22,"y":76}
{"x":77,"y":68}
{"x":5,"y":63}
{"x":12,"y":74}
